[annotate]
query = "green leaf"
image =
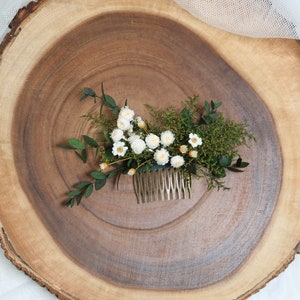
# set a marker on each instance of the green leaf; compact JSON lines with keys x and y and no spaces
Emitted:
{"x":109,"y":101}
{"x":82,"y":156}
{"x":82,"y":184}
{"x":88,"y":191}
{"x":107,"y":137}
{"x":77,"y":144}
{"x":78,"y":199}
{"x":233,"y":169}
{"x":98,"y":175}
{"x":207,"y":107}
{"x":241,"y":164}
{"x":69,"y":202}
{"x":74,"y":193}
{"x":108,"y":153}
{"x":89,"y":92}
{"x":216,"y":105}
{"x":192,"y":169}
{"x":100,"y":183}
{"x":115,"y":110}
{"x":65,"y":146}
{"x":90,"y":141}
{"x":111,"y":174}
{"x":224,"y":161}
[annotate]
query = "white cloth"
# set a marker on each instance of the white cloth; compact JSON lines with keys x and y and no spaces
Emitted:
{"x":15,"y":285}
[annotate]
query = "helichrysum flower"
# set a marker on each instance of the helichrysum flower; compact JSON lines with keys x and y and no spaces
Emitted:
{"x":183,"y":149}
{"x":167,"y":138}
{"x":131,"y":171}
{"x":193,"y":153}
{"x":119,"y":149}
{"x":126,"y":113}
{"x":123,"y":123}
{"x":104,"y":166}
{"x":152,"y":141}
{"x":161,"y":156}
{"x":117,"y":134}
{"x":132,"y":138}
{"x":177,"y":161}
{"x":195,"y":140}
{"x":138,"y":146}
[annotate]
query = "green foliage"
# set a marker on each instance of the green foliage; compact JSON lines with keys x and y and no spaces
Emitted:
{"x":211,"y":159}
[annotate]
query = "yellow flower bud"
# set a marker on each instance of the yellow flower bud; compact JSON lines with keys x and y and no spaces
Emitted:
{"x":104,"y":166}
{"x":183,"y":149}
{"x":131,"y":171}
{"x":193,"y":153}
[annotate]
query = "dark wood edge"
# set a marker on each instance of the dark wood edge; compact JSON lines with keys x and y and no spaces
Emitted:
{"x":14,"y":25}
{"x":20,"y":264}
{"x":5,"y":244}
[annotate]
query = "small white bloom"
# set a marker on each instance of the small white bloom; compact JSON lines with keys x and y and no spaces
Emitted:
{"x":161,"y":156}
{"x":119,"y":149}
{"x":132,"y":138}
{"x":123,"y":123}
{"x":131,"y":172}
{"x":152,"y":141}
{"x":117,"y":134}
{"x":195,"y":140}
{"x":104,"y":166}
{"x":193,"y":153}
{"x":126,"y":113}
{"x":138,"y":146}
{"x":167,"y":138}
{"x":177,"y":161}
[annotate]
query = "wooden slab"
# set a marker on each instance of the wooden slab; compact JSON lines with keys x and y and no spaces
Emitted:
{"x":216,"y":245}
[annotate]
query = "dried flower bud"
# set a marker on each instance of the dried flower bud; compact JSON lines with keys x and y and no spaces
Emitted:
{"x":103,"y":166}
{"x":183,"y":149}
{"x":131,"y":171}
{"x":193,"y":153}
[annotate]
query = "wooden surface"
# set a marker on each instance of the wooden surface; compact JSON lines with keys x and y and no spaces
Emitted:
{"x":217,"y":245}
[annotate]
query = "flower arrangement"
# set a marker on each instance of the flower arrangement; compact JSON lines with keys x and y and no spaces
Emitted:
{"x":195,"y":141}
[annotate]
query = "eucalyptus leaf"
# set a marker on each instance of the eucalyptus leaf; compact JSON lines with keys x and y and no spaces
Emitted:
{"x":88,"y":191}
{"x":98,"y":175}
{"x":74,"y":193}
{"x":77,"y":144}
{"x":82,"y":184}
{"x":89,"y":92}
{"x":90,"y":141}
{"x":100,"y":183}
{"x":82,"y":156}
{"x":70,"y":202}
{"x":224,"y":161}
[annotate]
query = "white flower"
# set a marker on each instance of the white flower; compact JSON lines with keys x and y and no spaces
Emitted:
{"x":193,"y":153}
{"x":126,"y":113}
{"x":131,"y":172}
{"x":104,"y":166}
{"x":119,"y":149}
{"x":177,"y":161}
{"x":195,"y":140}
{"x":117,"y":135}
{"x":152,"y":141}
{"x":123,"y":123}
{"x":167,"y":138}
{"x":161,"y":156}
{"x":138,"y":146}
{"x":132,"y":138}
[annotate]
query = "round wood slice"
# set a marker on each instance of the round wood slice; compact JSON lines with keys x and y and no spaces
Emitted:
{"x":216,"y":245}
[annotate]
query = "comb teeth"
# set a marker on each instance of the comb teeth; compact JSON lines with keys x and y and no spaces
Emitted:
{"x":160,"y":185}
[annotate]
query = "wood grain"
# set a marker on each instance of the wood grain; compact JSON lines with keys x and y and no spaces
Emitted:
{"x":217,"y":245}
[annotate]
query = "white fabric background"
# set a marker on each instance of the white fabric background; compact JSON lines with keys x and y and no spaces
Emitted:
{"x":15,"y":285}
